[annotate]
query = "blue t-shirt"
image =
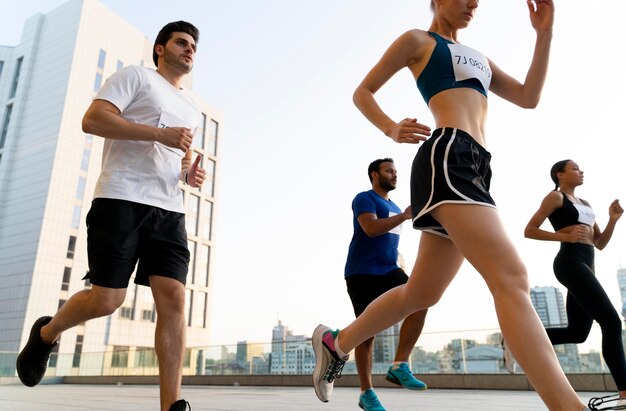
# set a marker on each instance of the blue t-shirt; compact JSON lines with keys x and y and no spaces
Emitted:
{"x":373,"y":255}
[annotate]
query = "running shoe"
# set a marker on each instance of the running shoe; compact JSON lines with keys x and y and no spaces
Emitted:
{"x":180,"y":405}
{"x":607,"y":402}
{"x":328,"y":364}
{"x":403,"y":376}
{"x":368,"y":400}
{"x":507,"y":355}
{"x":32,"y":362}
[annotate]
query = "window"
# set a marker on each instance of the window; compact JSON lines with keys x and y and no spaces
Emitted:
{"x":202,"y":273}
{"x":147,"y":315}
{"x":213,"y":130}
{"x":71,"y":246}
{"x":120,"y":357}
{"x":209,"y":183}
{"x":192,"y":215}
{"x":5,"y":124}
{"x":145,"y":357}
{"x":16,"y":77}
{"x":126,"y":312}
{"x":98,"y":82}
{"x":199,"y":319}
{"x":80,"y":190}
{"x":198,"y":139}
{"x":101,"y":59}
{"x":192,"y":258}
{"x":189,"y":300}
{"x":207,"y":220}
{"x":65,"y":284}
{"x":78,"y":350}
{"x":75,"y":221}
{"x":1,"y":67}
{"x":84,"y":165}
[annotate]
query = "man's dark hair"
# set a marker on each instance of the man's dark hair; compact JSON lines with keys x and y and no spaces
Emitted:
{"x":166,"y":34}
{"x":375,"y":166}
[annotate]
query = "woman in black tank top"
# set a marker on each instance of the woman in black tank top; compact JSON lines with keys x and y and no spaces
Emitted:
{"x":575,"y":228}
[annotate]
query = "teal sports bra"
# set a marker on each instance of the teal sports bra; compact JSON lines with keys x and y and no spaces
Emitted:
{"x":453,"y":65}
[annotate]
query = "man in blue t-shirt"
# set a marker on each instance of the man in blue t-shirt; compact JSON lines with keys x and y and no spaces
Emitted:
{"x":372,"y":269}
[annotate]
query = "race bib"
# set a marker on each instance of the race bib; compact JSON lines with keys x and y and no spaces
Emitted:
{"x":469,"y":63}
{"x":167,"y":120}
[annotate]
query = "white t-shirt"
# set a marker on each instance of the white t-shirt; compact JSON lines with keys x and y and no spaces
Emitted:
{"x":145,"y":172}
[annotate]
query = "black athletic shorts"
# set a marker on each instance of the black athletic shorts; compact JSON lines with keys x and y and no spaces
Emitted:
{"x":450,"y":167}
{"x":121,"y":233}
{"x":365,"y":288}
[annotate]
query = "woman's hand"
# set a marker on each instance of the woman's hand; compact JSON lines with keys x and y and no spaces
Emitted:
{"x":541,"y":14}
{"x":615,"y":210}
{"x":409,"y":131}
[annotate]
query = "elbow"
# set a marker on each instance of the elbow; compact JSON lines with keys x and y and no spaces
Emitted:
{"x":87,"y":124}
{"x":356,"y":97}
{"x":527,"y":232}
{"x":530,"y":102}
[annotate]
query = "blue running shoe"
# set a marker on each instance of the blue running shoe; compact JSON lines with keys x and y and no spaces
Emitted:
{"x":404,"y":377}
{"x":369,"y":401}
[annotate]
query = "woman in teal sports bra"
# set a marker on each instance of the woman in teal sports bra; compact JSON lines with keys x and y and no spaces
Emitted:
{"x":450,"y":193}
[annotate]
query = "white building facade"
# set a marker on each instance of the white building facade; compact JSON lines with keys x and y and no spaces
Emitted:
{"x":48,"y":171}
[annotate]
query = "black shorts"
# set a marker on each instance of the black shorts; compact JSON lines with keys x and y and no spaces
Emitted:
{"x":365,"y":288}
{"x":450,"y":167}
{"x":121,"y":233}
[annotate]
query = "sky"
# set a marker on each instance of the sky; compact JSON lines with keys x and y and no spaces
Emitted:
{"x":295,"y":150}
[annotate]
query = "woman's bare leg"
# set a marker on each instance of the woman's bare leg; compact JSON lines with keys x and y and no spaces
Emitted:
{"x":480,"y":236}
{"x":436,"y":264}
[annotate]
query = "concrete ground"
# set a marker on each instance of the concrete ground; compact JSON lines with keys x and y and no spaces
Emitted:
{"x":68,"y":397}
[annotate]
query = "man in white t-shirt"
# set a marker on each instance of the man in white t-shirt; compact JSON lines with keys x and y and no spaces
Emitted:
{"x":137,"y":216}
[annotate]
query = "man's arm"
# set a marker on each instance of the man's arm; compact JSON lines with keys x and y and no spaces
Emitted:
{"x":374,"y":226}
{"x":104,"y":119}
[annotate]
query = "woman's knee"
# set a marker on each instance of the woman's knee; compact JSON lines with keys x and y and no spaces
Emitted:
{"x":509,"y":280}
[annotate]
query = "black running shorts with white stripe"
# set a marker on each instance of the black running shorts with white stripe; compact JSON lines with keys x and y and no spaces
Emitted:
{"x":450,"y":167}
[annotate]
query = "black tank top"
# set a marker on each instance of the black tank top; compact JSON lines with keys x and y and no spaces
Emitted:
{"x":571,"y":214}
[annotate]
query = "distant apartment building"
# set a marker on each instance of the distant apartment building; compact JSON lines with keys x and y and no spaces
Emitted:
{"x":291,"y":354}
{"x":548,"y":302}
{"x":48,"y":171}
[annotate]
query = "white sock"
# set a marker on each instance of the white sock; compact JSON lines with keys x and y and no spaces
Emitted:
{"x":396,"y":364}
{"x":339,"y":351}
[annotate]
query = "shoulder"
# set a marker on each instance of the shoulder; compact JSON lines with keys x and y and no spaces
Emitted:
{"x":414,"y":39}
{"x":364,"y":195}
{"x":554,"y":199}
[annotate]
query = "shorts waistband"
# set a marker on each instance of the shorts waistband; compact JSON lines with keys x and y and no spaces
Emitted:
{"x":463,"y":135}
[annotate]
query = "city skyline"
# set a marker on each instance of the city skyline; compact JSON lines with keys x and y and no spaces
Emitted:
{"x":296,"y":150}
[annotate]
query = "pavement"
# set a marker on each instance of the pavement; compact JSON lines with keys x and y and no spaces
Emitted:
{"x":68,"y":397}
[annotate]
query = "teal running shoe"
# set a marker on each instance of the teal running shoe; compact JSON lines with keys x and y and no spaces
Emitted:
{"x":404,"y":377}
{"x":368,"y":400}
